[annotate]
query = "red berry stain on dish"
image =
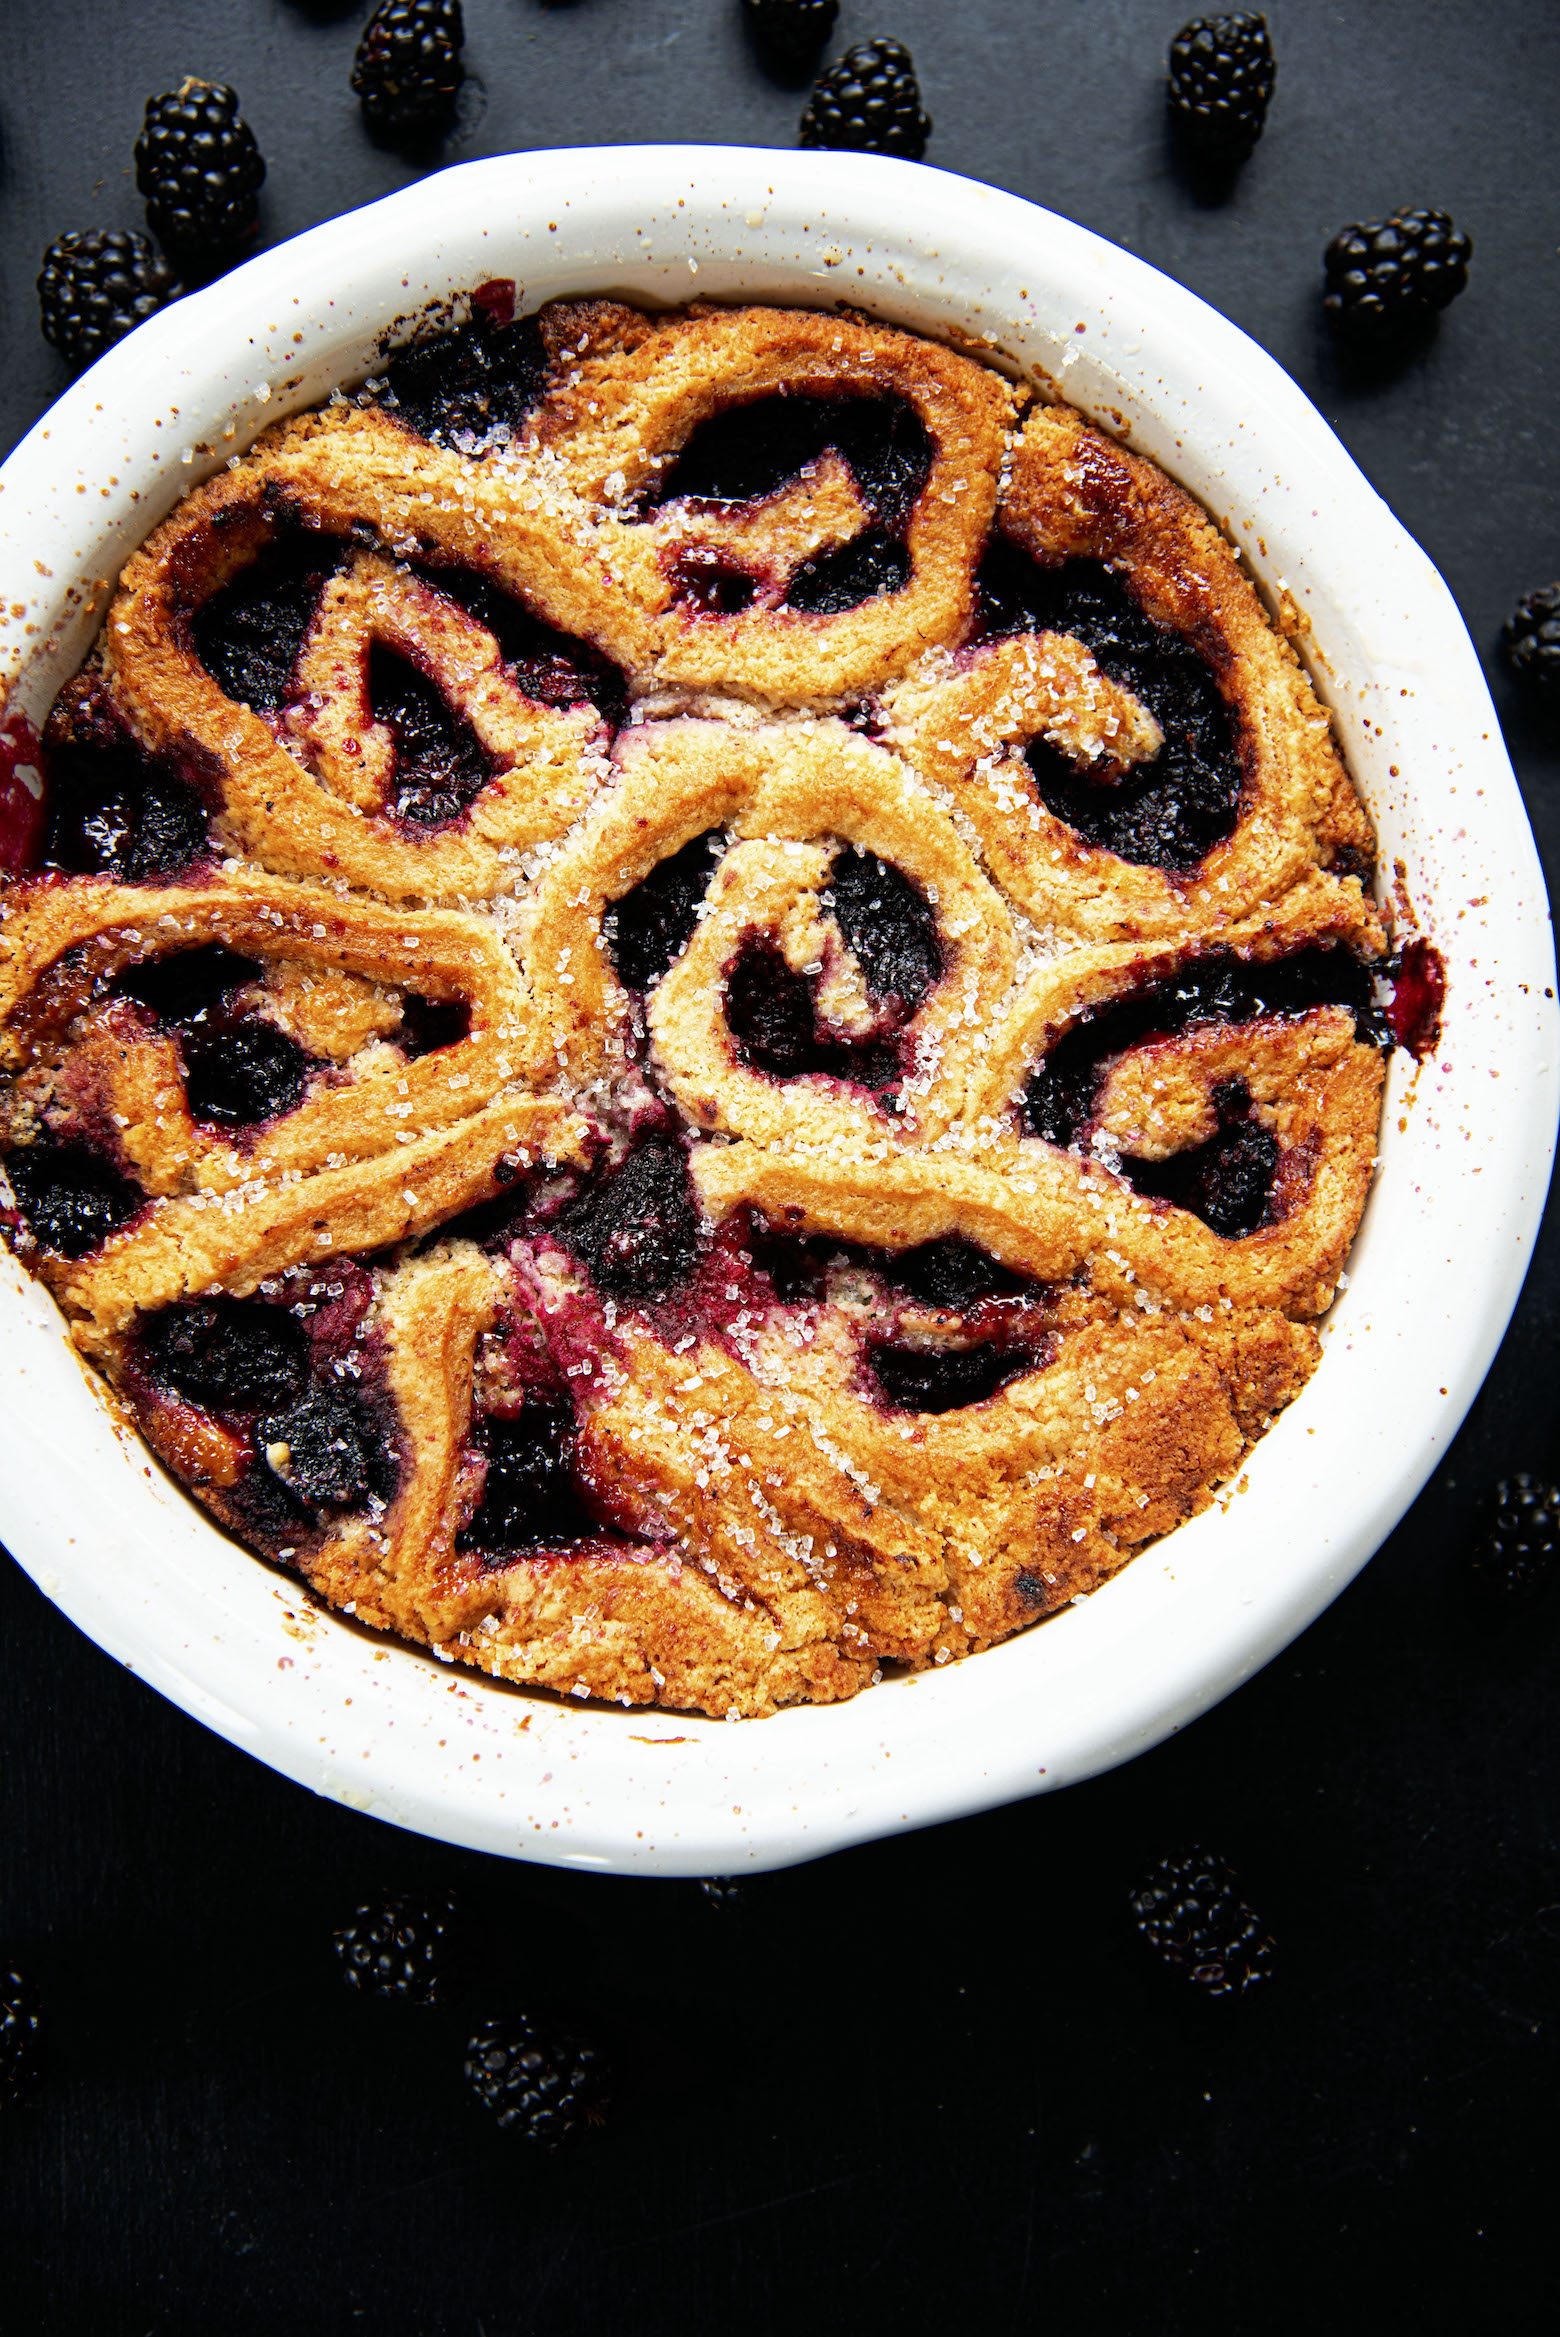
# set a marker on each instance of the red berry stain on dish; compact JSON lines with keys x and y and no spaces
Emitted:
{"x":21,"y":795}
{"x":1418,"y":995}
{"x":495,"y":300}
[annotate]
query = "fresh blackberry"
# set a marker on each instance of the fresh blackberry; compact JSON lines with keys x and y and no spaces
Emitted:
{"x":1531,"y":639}
{"x":397,"y":1948}
{"x":789,"y":33}
{"x":198,"y":166}
{"x":407,"y":69}
{"x":1190,"y":1913}
{"x":1221,"y":83}
{"x":96,"y":286}
{"x":538,"y":2080}
{"x":20,"y":2023}
{"x":1516,"y":1560}
{"x":724,"y":1893}
{"x":1388,"y":275}
{"x":869,"y":102}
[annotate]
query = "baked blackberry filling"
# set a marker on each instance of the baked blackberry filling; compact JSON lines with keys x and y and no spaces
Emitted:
{"x":1168,"y":812}
{"x":1227,"y":1182}
{"x":238,"y":1069}
{"x":952,"y":1274}
{"x":1418,"y":996}
{"x":945,"y":1379}
{"x":890,"y":925}
{"x":649,"y":928}
{"x":182,"y":987}
{"x":1217,"y":987}
{"x":775,"y":1027}
{"x":427,"y":1024}
{"x":114,"y":810}
{"x":319,"y":1450}
{"x":249,"y":1072}
{"x":70,"y":1198}
{"x":235,"y":1355}
{"x":552,"y":668}
{"x":636,"y":1228}
{"x":254,"y":1367}
{"x":864,"y":569}
{"x":440,"y":763}
{"x":530,"y":1499}
{"x":708,"y":584}
{"x":250,"y":635}
{"x":749,"y":451}
{"x":471,"y":387}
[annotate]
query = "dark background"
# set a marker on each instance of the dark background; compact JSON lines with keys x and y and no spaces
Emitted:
{"x":937,"y":2083}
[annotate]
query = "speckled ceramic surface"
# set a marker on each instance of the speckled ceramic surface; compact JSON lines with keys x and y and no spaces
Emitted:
{"x":1466,"y":1139}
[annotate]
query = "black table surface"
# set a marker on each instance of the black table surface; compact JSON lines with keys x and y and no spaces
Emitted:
{"x":937,"y":2083}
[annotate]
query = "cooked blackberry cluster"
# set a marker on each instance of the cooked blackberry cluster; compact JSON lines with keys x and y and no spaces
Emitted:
{"x":1516,"y":1559}
{"x":540,"y":2082}
{"x":869,"y":103}
{"x":20,"y":2027}
{"x":1531,"y":639}
{"x":1221,"y":84}
{"x":396,"y":1948}
{"x":96,"y":286}
{"x":1387,"y":276}
{"x":1191,"y":1913}
{"x":198,"y":166}
{"x":789,"y":33}
{"x":407,"y":71}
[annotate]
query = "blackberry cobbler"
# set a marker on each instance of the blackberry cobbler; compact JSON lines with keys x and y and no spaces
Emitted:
{"x":691,"y":1006}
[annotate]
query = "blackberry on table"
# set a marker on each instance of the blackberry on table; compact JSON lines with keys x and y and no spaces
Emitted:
{"x":1221,"y":83}
{"x":542,"y":2082}
{"x":397,"y":1947}
{"x":789,"y":33}
{"x":198,"y":166}
{"x":407,"y":71}
{"x":21,"y":2022}
{"x":1190,"y":1912}
{"x":97,"y":285}
{"x":1516,"y":1560}
{"x":869,"y":102}
{"x":1384,"y":276}
{"x":1530,"y":638}
{"x":724,"y":1893}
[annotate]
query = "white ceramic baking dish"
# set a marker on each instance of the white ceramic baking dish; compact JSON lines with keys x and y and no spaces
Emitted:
{"x":1466,"y":1139}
